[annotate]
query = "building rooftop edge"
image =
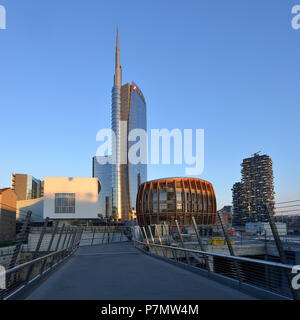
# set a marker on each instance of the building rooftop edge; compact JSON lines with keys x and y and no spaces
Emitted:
{"x":5,"y":189}
{"x":175,"y":178}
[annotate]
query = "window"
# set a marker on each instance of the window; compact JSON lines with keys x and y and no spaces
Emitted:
{"x":154,"y":203}
{"x":65,"y":203}
{"x":146,"y":201}
{"x":179,"y":197}
{"x":163,"y":200}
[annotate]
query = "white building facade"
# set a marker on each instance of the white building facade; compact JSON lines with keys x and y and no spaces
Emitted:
{"x":71,"y":198}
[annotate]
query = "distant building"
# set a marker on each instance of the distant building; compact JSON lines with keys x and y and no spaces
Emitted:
{"x":120,"y":187}
{"x":167,"y":200}
{"x":26,"y":186}
{"x":254,"y":191}
{"x":226,"y":213}
{"x":71,"y":200}
{"x":8,"y":201}
{"x":264,"y":228}
{"x":240,"y":214}
{"x":36,"y":206}
{"x":104,"y":173}
{"x":227,"y":209}
{"x":292,"y":222}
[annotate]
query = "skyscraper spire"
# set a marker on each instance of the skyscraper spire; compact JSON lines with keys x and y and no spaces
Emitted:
{"x":118,"y":69}
{"x":117,"y":43}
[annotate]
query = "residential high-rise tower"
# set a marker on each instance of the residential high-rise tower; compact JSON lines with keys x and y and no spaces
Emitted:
{"x":256,"y":189}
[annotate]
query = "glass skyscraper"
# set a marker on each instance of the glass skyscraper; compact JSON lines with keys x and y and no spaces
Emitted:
{"x":129,"y":106}
{"x":104,"y":173}
{"x":137,"y":120}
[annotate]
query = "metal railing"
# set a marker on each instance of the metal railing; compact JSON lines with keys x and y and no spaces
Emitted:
{"x":105,"y":235}
{"x":18,"y":274}
{"x":39,"y":250}
{"x":270,"y":276}
{"x":60,"y":245}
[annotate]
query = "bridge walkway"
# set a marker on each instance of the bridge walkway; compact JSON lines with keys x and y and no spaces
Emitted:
{"x":119,"y":271}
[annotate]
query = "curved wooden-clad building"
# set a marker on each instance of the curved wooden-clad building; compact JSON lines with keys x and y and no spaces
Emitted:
{"x":176,"y":199}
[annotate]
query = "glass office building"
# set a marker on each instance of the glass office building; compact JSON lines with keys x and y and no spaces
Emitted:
{"x":137,"y":120}
{"x":104,"y":174}
{"x":120,"y":179}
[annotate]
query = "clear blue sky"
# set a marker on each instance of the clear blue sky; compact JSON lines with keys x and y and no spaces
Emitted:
{"x":229,"y":67}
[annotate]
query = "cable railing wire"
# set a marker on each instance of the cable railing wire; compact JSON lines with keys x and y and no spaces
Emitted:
{"x":268,"y":275}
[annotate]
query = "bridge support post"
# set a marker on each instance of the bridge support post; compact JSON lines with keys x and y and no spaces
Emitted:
{"x":169,"y":240}
{"x":37,"y":249}
{"x":22,"y":238}
{"x":69,"y":237}
{"x":49,"y":247}
{"x":147,"y":240}
{"x":93,"y":236}
{"x":65,"y":238}
{"x":113,"y":230}
{"x":108,"y":233}
{"x":79,"y":236}
{"x":73,"y":241}
{"x":58,"y":242}
{"x":141,"y":234}
{"x":182,"y":242}
{"x":69,"y":240}
{"x":200,"y":243}
{"x":120,"y":231}
{"x":229,"y":245}
{"x":159,"y":239}
{"x":97,"y":231}
{"x":60,"y":236}
{"x":104,"y":234}
{"x":150,"y":231}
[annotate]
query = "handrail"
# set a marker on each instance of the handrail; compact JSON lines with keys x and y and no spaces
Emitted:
{"x":274,"y":277}
{"x":220,"y":255}
{"x":45,"y":263}
{"x":29,"y":263}
{"x":7,"y":294}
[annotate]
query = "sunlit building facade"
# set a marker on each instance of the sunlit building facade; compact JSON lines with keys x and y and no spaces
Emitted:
{"x":133,"y":112}
{"x":26,"y":186}
{"x":167,"y":200}
{"x":118,"y":194}
{"x":8,"y":200}
{"x":71,"y":198}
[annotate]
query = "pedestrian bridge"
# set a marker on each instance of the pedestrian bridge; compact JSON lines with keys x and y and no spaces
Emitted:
{"x":114,"y":263}
{"x":121,"y":271}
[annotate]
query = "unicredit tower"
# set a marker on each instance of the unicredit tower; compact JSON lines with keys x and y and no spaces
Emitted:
{"x":120,"y":180}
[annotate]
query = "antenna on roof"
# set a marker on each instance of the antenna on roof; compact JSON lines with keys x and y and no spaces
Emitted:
{"x":256,"y":153}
